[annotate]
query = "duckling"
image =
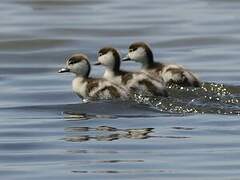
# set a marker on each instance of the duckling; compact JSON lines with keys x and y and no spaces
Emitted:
{"x":172,"y":74}
{"x":133,"y":81}
{"x":87,"y":87}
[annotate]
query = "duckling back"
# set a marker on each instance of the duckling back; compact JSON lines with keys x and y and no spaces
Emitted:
{"x":176,"y":74}
{"x":137,"y":82}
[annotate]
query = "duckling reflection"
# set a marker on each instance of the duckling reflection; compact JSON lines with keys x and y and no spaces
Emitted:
{"x":76,"y":116}
{"x":106,"y":133}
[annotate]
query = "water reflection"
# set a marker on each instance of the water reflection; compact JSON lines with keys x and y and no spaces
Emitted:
{"x":106,"y":133}
{"x":131,"y":171}
{"x":74,"y":116}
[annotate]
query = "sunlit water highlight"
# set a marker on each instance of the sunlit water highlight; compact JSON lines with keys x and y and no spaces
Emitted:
{"x":209,"y":98}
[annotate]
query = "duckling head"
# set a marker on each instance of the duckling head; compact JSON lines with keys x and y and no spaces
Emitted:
{"x":77,"y":64}
{"x":139,"y":52}
{"x":109,"y":57}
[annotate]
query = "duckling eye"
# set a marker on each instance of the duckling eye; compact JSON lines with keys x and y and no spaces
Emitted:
{"x":72,"y":61}
{"x":133,"y":49}
{"x":100,"y":54}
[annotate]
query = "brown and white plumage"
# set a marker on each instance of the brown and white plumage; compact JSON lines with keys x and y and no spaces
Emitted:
{"x":87,"y":87}
{"x":133,"y":81}
{"x":170,"y":73}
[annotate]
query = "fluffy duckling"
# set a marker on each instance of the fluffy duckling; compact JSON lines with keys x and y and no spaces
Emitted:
{"x":133,"y":81}
{"x":87,"y":87}
{"x":172,"y":74}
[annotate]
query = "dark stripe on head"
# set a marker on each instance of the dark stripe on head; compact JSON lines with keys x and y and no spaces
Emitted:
{"x":75,"y":58}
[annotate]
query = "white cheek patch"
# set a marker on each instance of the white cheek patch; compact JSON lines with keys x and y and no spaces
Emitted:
{"x":107,"y":59}
{"x":131,"y":55}
{"x":80,"y":68}
{"x":138,"y":55}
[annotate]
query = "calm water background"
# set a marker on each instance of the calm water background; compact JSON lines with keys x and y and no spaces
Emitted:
{"x":45,"y":130}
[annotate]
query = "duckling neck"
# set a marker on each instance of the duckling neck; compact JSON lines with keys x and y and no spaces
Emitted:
{"x":110,"y":73}
{"x":80,"y":77}
{"x":147,"y":64}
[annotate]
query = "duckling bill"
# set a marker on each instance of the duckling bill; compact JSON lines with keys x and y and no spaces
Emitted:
{"x":63,"y":70}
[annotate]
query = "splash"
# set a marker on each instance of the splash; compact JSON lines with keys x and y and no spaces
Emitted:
{"x":209,"y":98}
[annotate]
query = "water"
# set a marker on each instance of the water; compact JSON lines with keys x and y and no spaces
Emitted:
{"x":47,"y":132}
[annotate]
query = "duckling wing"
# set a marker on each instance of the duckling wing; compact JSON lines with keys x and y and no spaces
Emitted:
{"x":108,"y":90}
{"x":175,"y":74}
{"x":154,"y":87}
{"x":145,"y":83}
{"x":126,"y":77}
